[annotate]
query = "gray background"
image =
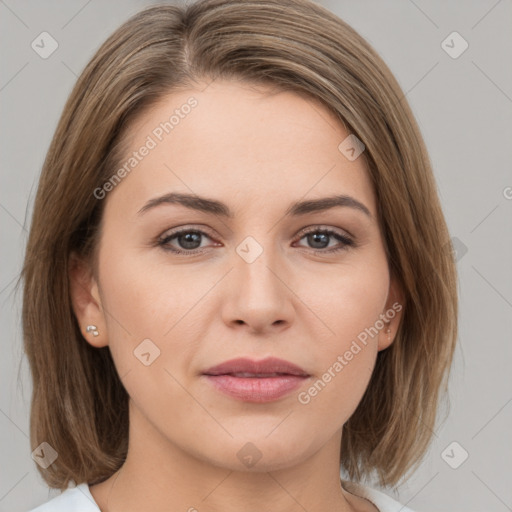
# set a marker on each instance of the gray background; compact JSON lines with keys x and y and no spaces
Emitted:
{"x":464,"y":109}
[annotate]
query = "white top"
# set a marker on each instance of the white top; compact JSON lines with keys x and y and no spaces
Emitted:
{"x":79,"y":499}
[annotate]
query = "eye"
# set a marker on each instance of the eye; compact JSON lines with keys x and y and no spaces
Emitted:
{"x":319,"y":239}
{"x":188,"y":240}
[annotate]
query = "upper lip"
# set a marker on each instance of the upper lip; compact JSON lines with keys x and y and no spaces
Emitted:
{"x":270,"y":365}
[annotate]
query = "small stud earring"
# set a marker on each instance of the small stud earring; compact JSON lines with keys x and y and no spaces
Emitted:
{"x":93,"y":329}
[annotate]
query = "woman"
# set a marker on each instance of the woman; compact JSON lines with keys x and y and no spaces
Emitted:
{"x":238,"y":279}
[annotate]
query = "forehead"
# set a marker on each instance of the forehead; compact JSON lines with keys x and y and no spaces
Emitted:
{"x":239,"y":141}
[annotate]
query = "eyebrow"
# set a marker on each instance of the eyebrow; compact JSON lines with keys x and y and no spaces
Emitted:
{"x":207,"y":205}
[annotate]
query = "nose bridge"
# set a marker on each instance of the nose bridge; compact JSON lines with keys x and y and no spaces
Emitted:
{"x":256,"y":263}
{"x":259,"y":296}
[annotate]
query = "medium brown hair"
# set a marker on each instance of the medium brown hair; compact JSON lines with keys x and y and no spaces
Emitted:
{"x":79,"y":405}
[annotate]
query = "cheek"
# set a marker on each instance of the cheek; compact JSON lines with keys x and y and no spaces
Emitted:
{"x":349,"y":303}
{"x":146,"y":302}
{"x":346,"y":355}
{"x":333,"y":396}
{"x":147,"y":298}
{"x":149,"y":327}
{"x":349,"y":300}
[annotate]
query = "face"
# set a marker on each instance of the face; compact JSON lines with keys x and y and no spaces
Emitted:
{"x":307,"y":285}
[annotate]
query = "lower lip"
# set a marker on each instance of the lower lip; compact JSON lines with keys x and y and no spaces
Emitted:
{"x":256,"y":389}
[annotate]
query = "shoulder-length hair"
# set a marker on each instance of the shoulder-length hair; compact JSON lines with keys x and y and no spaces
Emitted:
{"x":79,"y":405}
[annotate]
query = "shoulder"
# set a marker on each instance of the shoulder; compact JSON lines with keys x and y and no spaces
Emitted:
{"x":381,"y":500}
{"x":73,"y":499}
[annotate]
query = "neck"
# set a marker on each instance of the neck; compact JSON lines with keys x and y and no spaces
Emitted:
{"x":158,"y":474}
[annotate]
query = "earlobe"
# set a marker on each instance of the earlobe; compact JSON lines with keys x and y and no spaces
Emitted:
{"x":392,"y":315}
{"x":386,"y":336}
{"x":86,"y":302}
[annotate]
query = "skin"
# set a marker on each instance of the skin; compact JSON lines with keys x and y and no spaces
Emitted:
{"x":257,"y":152}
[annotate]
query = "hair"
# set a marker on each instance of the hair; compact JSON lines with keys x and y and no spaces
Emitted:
{"x":79,"y":405}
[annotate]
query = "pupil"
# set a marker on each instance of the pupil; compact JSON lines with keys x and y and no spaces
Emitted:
{"x":321,"y":238}
{"x":190,"y":240}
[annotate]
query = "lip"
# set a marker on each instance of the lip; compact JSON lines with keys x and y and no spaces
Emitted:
{"x":256,"y":381}
{"x":263,"y":366}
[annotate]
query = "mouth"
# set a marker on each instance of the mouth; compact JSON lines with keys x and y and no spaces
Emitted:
{"x":252,"y":375}
{"x":256,"y":381}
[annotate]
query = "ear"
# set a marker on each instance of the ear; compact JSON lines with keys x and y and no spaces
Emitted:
{"x":392,"y":315}
{"x":86,"y":302}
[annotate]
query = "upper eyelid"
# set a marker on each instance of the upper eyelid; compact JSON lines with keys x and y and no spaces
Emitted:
{"x":198,"y":227}
{"x":174,"y":231}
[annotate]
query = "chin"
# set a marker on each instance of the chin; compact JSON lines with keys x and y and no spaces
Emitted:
{"x":260,"y":455}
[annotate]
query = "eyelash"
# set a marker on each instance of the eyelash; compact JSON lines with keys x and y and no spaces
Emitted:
{"x":347,"y":242}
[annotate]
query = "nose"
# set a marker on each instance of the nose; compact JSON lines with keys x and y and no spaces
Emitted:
{"x":259,"y":298}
